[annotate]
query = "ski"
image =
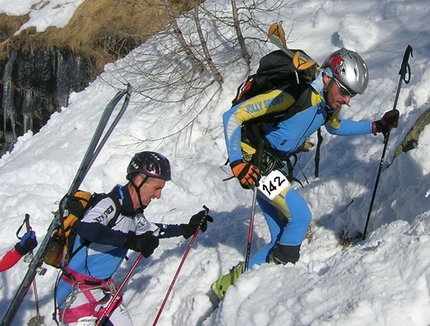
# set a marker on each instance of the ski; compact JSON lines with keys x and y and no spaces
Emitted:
{"x":276,"y":36}
{"x":94,"y":148}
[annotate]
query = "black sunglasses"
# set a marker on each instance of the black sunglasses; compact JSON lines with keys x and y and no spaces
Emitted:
{"x":343,"y":90}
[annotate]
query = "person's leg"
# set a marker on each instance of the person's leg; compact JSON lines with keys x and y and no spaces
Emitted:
{"x":275,"y":224}
{"x":120,"y":316}
{"x":299,"y":219}
{"x":79,"y":308}
{"x":288,"y":247}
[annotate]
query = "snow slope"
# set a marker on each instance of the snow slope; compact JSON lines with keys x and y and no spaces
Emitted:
{"x":383,"y":280}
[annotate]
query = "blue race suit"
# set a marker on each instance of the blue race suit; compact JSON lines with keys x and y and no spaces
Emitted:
{"x":287,"y":215}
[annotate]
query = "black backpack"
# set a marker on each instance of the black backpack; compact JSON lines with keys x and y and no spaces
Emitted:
{"x":278,"y":70}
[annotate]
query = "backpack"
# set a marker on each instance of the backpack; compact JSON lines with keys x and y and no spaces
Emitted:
{"x":59,"y":250}
{"x":278,"y":70}
{"x":283,"y":69}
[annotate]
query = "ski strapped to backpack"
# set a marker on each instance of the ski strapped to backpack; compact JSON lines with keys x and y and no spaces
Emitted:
{"x":289,"y":70}
{"x":60,"y":245}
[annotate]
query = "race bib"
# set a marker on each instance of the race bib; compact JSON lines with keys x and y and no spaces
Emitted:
{"x":273,"y":184}
{"x":87,"y":321}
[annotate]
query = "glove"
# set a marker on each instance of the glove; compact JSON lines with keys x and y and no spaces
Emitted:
{"x":388,"y":121}
{"x":144,"y":243}
{"x":28,"y":243}
{"x":199,"y":220}
{"x":248,"y":174}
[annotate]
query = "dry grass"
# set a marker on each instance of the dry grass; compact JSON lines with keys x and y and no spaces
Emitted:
{"x":104,"y":29}
{"x":346,"y":239}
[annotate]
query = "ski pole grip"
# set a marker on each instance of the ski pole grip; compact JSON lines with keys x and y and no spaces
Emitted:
{"x":27,"y":222}
{"x":405,"y":65}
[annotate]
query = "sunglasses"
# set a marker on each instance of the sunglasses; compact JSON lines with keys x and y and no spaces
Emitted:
{"x":343,"y":90}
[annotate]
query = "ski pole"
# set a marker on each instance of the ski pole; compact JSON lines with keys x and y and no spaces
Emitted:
{"x":405,"y":69}
{"x":89,"y":157}
{"x":36,"y":296}
{"x":259,"y":154}
{"x":177,"y":272}
{"x":250,"y":230}
{"x":26,"y":222}
{"x":110,"y":307}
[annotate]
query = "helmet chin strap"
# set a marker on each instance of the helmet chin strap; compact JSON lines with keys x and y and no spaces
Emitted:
{"x":325,"y":88}
{"x":137,"y":189}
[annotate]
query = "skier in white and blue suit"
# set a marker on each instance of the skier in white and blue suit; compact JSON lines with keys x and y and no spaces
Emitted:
{"x":104,"y":236}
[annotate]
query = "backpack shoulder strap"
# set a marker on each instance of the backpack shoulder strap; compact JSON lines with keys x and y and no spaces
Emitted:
{"x":112,"y":222}
{"x":115,"y":199}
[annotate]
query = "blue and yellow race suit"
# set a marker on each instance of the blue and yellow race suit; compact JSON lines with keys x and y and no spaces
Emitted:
{"x":287,"y":215}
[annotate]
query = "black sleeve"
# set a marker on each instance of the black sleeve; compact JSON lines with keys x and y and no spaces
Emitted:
{"x":99,"y":233}
{"x":94,"y":226}
{"x":169,"y":230}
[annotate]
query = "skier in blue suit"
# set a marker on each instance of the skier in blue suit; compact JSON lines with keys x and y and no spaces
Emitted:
{"x":343,"y":75}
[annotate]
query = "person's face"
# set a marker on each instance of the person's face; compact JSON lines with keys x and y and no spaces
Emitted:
{"x":150,"y":189}
{"x":336,"y":94}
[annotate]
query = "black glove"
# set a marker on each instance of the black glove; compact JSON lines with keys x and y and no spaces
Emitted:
{"x":388,"y":121}
{"x":199,"y":220}
{"x":247,"y":173}
{"x":144,"y":243}
{"x":28,"y":243}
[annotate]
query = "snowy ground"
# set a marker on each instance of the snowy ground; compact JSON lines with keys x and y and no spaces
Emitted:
{"x":383,"y":280}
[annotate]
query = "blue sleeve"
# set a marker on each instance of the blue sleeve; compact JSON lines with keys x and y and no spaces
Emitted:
{"x":270,"y":102}
{"x":349,"y":128}
{"x":232,"y":134}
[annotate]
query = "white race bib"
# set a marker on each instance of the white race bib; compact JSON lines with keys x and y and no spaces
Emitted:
{"x":87,"y":321}
{"x":273,"y":184}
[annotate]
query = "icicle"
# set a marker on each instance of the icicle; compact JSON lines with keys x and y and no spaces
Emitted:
{"x":8,"y":107}
{"x":27,"y":115}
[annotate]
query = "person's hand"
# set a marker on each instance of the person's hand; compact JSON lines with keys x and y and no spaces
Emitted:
{"x":144,"y":243}
{"x":199,"y":220}
{"x":247,"y":174}
{"x":388,"y":121}
{"x":28,"y":243}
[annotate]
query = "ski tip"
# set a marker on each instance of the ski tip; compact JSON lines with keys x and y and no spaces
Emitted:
{"x":302,"y":63}
{"x":276,"y":29}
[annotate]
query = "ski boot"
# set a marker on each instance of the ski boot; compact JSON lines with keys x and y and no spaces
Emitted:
{"x":220,"y":286}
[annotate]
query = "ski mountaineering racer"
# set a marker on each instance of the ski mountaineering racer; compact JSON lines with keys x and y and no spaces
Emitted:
{"x":342,"y":76}
{"x":86,"y":284}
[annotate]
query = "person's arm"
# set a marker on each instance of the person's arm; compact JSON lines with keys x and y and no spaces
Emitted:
{"x":9,"y":259}
{"x":266,"y":103}
{"x":27,"y":243}
{"x":198,"y":220}
{"x":94,"y":226}
{"x":348,"y":127}
{"x":340,"y":127}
